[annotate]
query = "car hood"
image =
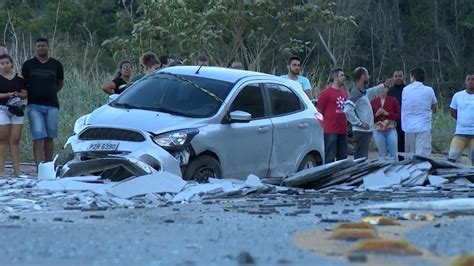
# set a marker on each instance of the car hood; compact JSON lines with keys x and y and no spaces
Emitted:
{"x":156,"y":122}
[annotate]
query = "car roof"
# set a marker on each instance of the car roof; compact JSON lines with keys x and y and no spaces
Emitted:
{"x":211,"y":72}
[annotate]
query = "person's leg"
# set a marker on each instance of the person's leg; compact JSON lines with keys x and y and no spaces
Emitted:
{"x":423,"y":143}
{"x":341,"y":149}
{"x":36,"y":118}
{"x":329,"y":148}
{"x":15,"y":136}
{"x":362,"y":142}
{"x":4,"y":135}
{"x":400,"y":139}
{"x":456,"y":148}
{"x":392,"y":144}
{"x":52,"y":118}
{"x":410,"y":142}
{"x":471,"y":148}
{"x":381,"y":143}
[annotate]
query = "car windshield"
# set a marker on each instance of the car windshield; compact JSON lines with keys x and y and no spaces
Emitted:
{"x":176,"y":94}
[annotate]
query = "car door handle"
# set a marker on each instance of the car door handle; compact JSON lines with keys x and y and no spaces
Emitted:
{"x":262,"y":130}
{"x":303,"y":125}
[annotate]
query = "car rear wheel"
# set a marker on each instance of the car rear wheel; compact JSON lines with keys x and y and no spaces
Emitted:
{"x":308,"y":162}
{"x":201,"y":168}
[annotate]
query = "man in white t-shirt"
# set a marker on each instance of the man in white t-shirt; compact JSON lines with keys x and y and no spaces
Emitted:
{"x":462,"y":109}
{"x":294,"y":67}
{"x":418,"y":104}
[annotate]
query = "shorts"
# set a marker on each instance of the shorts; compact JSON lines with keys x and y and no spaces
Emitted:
{"x":7,"y":118}
{"x":43,"y":121}
{"x":458,"y":144}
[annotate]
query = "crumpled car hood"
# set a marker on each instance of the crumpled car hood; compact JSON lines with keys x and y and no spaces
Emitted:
{"x":145,"y":120}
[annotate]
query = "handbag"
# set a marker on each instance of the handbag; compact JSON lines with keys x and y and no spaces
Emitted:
{"x":16,"y":106}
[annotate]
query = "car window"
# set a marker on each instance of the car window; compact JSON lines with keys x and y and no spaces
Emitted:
{"x":179,"y":95}
{"x":282,"y":99}
{"x":250,"y":100}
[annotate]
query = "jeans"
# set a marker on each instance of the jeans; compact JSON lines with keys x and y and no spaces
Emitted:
{"x":335,"y":147}
{"x":386,"y":142}
{"x":43,"y":121}
{"x":362,"y":142}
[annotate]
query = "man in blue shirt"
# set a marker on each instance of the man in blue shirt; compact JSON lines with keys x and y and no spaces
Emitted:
{"x":294,"y":66}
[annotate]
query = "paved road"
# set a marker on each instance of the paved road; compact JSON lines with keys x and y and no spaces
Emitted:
{"x":215,"y":232}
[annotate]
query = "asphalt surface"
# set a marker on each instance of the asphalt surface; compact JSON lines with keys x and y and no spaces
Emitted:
{"x":259,"y":229}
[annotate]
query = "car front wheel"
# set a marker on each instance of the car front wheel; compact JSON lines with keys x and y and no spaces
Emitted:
{"x":201,"y":168}
{"x":308,"y":162}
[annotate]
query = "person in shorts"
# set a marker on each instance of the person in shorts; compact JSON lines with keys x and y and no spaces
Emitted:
{"x":462,"y":109}
{"x":44,"y":78}
{"x":12,"y":88}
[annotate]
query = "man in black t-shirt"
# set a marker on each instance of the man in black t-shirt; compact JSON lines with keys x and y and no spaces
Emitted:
{"x":44,"y":78}
{"x":396,"y":91}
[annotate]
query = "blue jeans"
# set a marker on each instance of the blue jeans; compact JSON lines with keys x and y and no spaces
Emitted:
{"x":386,"y":142}
{"x":335,"y":147}
{"x":43,"y":121}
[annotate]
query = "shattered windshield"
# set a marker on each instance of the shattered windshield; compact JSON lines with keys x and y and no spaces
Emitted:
{"x":176,"y":94}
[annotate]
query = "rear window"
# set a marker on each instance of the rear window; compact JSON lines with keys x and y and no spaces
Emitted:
{"x":176,"y":94}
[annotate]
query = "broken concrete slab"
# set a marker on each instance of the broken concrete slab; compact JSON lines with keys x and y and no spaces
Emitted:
{"x":162,"y":182}
{"x":71,"y":185}
{"x":253,"y":181}
{"x":436,"y":180}
{"x":378,"y":179}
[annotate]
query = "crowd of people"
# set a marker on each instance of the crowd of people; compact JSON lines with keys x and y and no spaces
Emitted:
{"x":396,"y":115}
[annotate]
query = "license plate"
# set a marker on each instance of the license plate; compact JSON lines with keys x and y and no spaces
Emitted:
{"x":103,"y":146}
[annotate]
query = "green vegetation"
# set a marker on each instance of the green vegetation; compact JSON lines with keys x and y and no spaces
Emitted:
{"x":92,"y":36}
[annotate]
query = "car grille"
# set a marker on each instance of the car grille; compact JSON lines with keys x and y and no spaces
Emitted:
{"x":111,"y":134}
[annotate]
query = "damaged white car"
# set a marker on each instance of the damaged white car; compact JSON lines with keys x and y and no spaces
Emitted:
{"x":199,"y":123}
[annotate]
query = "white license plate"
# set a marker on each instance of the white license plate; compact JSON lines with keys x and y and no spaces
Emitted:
{"x":103,"y":146}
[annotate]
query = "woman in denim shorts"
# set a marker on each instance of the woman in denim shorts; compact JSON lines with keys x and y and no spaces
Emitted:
{"x":11,"y":85}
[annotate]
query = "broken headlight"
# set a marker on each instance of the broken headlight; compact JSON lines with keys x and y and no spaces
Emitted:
{"x":175,"y":140}
{"x":81,"y":122}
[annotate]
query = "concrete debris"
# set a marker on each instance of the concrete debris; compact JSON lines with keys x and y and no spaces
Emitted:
{"x":449,"y":204}
{"x":161,"y":182}
{"x":381,"y":174}
{"x":418,"y":175}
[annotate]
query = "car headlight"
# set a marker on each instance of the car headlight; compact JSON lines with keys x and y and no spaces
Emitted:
{"x":81,"y":122}
{"x":175,"y":139}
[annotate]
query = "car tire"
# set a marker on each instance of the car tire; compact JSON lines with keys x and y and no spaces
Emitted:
{"x":201,"y":168}
{"x":308,"y":162}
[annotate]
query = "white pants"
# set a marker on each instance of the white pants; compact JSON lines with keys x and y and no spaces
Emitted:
{"x":418,"y":143}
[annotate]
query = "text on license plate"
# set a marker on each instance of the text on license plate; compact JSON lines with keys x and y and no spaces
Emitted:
{"x":103,"y":146}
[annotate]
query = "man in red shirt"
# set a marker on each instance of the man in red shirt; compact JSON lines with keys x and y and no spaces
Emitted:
{"x":331,"y":105}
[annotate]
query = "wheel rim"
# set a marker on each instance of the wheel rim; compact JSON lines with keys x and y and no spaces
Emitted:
{"x":203,"y":174}
{"x":308,"y":164}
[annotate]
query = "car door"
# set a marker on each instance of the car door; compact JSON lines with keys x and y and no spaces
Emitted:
{"x":292,"y":129}
{"x":247,"y":146}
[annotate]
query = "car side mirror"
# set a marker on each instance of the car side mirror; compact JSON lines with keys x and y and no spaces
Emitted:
{"x":112,"y":98}
{"x":240,"y":117}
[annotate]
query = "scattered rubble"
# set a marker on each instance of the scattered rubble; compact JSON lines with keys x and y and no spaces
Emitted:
{"x":416,"y":175}
{"x":378,"y":174}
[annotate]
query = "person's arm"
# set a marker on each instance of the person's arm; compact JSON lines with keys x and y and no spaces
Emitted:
{"x":109,"y":87}
{"x":307,"y":88}
{"x":375,"y":91}
{"x":454,"y":113}
{"x":434,"y":102}
{"x":23,"y":94}
{"x":59,"y":77}
{"x":322,"y":102}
